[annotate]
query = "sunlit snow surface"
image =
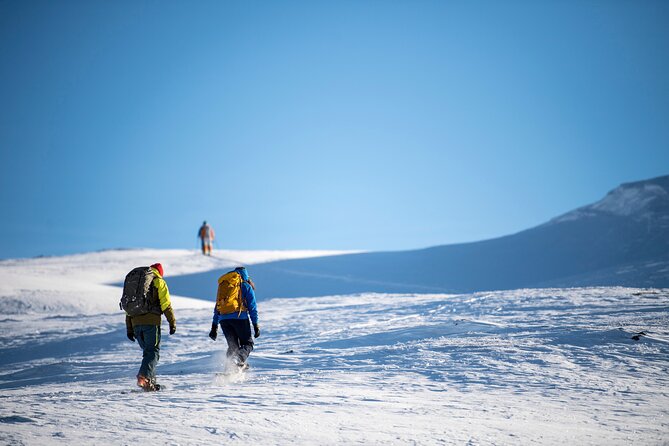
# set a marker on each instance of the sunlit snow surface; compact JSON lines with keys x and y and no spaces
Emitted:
{"x":543,"y":366}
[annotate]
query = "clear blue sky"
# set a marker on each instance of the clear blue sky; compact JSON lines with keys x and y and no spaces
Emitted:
{"x":376,"y":125}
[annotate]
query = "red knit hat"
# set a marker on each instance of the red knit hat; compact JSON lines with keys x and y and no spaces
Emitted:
{"x":159,"y":267}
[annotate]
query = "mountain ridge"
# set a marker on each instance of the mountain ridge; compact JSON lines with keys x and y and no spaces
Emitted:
{"x":629,"y":199}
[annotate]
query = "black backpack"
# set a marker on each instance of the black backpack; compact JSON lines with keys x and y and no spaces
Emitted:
{"x":138,"y":297}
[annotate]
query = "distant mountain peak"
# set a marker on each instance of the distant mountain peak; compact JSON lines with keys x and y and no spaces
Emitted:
{"x":640,"y":199}
{"x":631,"y":199}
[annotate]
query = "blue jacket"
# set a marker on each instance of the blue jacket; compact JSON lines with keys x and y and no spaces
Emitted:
{"x":249,"y":297}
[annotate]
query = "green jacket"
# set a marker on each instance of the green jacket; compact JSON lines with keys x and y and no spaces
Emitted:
{"x":162,"y":294}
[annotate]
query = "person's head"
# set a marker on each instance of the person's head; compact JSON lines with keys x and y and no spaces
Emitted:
{"x":242,"y":272}
{"x":158,"y":268}
{"x":204,"y":223}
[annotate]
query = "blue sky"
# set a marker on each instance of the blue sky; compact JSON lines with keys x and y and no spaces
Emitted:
{"x":378,"y":125}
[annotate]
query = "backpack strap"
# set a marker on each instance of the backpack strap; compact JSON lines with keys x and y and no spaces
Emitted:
{"x":241,"y":295}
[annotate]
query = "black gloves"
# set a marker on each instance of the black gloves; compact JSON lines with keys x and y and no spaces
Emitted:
{"x":131,"y":336}
{"x":256,"y":331}
{"x":173,"y":329}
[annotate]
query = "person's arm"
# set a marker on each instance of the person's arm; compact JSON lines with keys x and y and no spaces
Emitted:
{"x":216,"y":313}
{"x":169,"y":315}
{"x":214,"y":324}
{"x":165,"y":303}
{"x":163,"y":293}
{"x":252,"y":307}
{"x":130,"y":333}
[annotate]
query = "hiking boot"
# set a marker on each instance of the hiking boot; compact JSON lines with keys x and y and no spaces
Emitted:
{"x":143,"y":381}
{"x":154,"y":384}
{"x":241,"y":365}
{"x":148,"y":384}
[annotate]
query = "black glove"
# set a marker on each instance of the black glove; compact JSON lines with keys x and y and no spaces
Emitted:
{"x":173,"y":329}
{"x":214,"y":332}
{"x":256,"y":331}
{"x":131,"y":336}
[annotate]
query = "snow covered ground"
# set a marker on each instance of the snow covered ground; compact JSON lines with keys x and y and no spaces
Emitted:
{"x":530,"y":366}
{"x":82,"y":283}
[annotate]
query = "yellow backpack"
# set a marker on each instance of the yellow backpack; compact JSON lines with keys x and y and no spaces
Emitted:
{"x":229,"y":294}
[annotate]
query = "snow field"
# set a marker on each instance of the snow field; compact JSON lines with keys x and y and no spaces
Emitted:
{"x":510,"y":367}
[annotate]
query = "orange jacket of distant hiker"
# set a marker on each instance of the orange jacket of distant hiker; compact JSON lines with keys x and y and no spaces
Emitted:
{"x":206,"y":232}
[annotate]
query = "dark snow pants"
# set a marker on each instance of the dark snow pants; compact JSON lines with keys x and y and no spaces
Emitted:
{"x":148,"y":337}
{"x":240,"y":340}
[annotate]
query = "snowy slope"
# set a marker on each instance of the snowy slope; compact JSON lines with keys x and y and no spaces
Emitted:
{"x":524,"y":366}
{"x":621,"y":240}
{"x":83,"y":283}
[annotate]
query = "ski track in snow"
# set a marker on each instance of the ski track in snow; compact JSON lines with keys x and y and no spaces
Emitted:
{"x":529,"y":366}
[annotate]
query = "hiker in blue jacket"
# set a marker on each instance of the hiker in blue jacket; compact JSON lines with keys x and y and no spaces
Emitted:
{"x":232,"y":312}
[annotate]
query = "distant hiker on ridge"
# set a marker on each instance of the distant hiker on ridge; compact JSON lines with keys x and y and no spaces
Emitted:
{"x":235,"y":303}
{"x":145,"y":298}
{"x":206,"y":235}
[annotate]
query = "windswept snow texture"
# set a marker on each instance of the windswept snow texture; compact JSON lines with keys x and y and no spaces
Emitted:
{"x":548,"y":366}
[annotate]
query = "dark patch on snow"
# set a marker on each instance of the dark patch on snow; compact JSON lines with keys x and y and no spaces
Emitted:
{"x":14,"y":419}
{"x":638,"y":336}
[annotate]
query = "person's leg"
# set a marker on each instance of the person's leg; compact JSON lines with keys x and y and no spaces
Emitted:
{"x":150,"y":343}
{"x":231,"y":337}
{"x":245,"y":338}
{"x":139,"y":335}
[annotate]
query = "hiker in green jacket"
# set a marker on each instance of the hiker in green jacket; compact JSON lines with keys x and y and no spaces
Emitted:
{"x":145,"y":328}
